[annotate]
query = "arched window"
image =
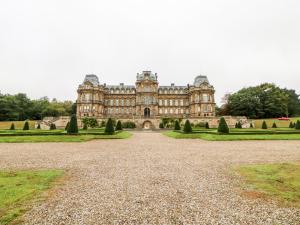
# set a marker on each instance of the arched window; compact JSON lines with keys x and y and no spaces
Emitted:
{"x":147,"y":112}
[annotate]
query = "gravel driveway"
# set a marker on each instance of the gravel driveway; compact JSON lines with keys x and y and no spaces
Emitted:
{"x":151,"y":179}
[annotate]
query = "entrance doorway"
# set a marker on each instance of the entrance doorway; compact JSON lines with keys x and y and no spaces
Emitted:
{"x":146,"y":112}
{"x":147,"y":125}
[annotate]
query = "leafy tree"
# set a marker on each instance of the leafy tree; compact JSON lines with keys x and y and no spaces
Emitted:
{"x":90,"y":122}
{"x":187,"y":127}
{"x":20,"y":107}
{"x":223,"y":127}
{"x":85,"y":127}
{"x":119,"y":125}
{"x":93,"y":122}
{"x":85,"y":121}
{"x":103,"y":123}
{"x":73,"y":127}
{"x":207,"y":125}
{"x":12,"y":126}
{"x":264,"y":125}
{"x":177,"y":125}
{"x":293,"y":102}
{"x":52,"y":126}
{"x":274,"y":125}
{"x":129,"y":124}
{"x":161,"y":125}
{"x":263,"y":101}
{"x":297,"y":125}
{"x":26,"y":126}
{"x":109,"y":129}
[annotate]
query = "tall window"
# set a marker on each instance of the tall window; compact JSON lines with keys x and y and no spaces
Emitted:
{"x":205,"y":97}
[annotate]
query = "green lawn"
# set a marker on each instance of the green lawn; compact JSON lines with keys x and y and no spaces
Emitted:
{"x":232,"y":137}
{"x":63,"y":138}
{"x":279,"y":123}
{"x":19,"y":190}
{"x":276,"y":181}
{"x":18,"y":124}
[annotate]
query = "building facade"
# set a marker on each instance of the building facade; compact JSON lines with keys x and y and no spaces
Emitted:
{"x":145,"y":103}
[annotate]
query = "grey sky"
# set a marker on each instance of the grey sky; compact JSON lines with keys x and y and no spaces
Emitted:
{"x":46,"y":47}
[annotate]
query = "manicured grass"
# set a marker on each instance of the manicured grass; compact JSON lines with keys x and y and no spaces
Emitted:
{"x":279,"y":123}
{"x":62,"y":138}
{"x":232,"y":137}
{"x":276,"y":181}
{"x":33,"y":131}
{"x":18,"y":124}
{"x":19,"y":190}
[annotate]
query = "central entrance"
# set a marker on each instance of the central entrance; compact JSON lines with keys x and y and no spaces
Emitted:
{"x":146,"y":112}
{"x":147,"y":125}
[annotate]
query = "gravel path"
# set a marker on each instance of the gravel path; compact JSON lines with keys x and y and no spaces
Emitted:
{"x":151,"y":179}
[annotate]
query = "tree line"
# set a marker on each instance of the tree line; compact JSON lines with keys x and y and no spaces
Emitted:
{"x":20,"y":107}
{"x":262,"y":101}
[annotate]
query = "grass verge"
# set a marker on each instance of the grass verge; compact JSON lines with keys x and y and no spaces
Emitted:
{"x":18,"y":124}
{"x":279,"y":123}
{"x":272,"y":181}
{"x":19,"y":190}
{"x":62,"y":138}
{"x":232,"y":137}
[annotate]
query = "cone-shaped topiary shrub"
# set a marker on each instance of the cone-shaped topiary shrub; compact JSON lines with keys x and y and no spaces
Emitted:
{"x":109,"y":129}
{"x":38,"y":126}
{"x":67,"y":126}
{"x":161,"y":126}
{"x":236,"y":125}
{"x":177,"y":125}
{"x":85,"y":127}
{"x":207,"y":125}
{"x":264,"y":125}
{"x":26,"y":126}
{"x":274,"y":125}
{"x":12,"y":126}
{"x":291,"y":125}
{"x":119,"y":125}
{"x":187,"y":127}
{"x":52,"y":126}
{"x":297,"y":125}
{"x":239,"y":125}
{"x":223,"y":127}
{"x":73,"y":126}
{"x":251,"y":125}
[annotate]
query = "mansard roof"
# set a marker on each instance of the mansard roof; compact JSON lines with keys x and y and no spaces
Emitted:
{"x":121,"y":86}
{"x":200,"y":80}
{"x":146,"y":75}
{"x":172,"y":87}
{"x":91,"y":78}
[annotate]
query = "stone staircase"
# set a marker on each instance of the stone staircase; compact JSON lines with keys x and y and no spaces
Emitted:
{"x":60,"y":122}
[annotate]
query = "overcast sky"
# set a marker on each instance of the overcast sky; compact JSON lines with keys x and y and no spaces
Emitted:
{"x":47,"y":46}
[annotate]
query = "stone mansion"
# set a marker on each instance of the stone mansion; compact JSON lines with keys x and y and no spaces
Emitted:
{"x":146,"y":102}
